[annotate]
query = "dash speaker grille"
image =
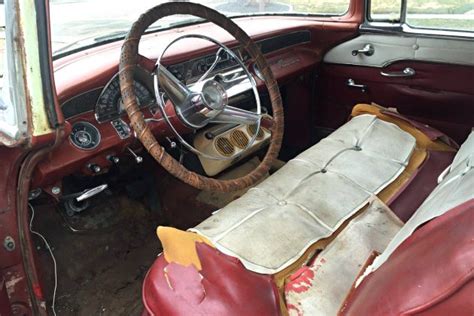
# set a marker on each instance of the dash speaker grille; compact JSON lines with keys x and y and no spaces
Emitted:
{"x":224,"y":146}
{"x":239,"y":139}
{"x":252,"y":129}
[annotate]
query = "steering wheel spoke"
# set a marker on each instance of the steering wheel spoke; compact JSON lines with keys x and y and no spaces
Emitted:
{"x":176,"y":91}
{"x":235,"y":84}
{"x":232,"y":114}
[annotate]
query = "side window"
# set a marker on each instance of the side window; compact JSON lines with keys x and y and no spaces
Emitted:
{"x":383,"y":10}
{"x":2,"y":50}
{"x":451,"y":15}
{"x":441,"y":14}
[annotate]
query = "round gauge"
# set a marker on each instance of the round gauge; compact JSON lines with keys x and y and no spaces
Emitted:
{"x":85,"y":136}
{"x":110,"y":106}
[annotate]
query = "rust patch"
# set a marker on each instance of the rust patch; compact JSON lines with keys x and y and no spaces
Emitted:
{"x":11,"y":283}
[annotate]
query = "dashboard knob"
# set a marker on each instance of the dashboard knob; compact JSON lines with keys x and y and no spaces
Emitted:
{"x":138,"y":159}
{"x":113,"y":159}
{"x":94,"y":168}
{"x":202,"y":67}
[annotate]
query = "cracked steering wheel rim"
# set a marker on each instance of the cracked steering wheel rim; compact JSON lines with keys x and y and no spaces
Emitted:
{"x":129,"y":60}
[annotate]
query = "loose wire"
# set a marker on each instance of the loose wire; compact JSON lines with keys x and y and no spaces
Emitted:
{"x":52,"y":257}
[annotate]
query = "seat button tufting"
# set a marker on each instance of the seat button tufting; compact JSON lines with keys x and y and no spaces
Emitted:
{"x":323,"y":171}
{"x":281,"y":203}
{"x":357,"y":148}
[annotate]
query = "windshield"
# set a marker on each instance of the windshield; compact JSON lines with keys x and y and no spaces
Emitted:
{"x":80,"y":23}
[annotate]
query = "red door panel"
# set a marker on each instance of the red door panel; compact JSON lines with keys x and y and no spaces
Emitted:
{"x":440,"y":95}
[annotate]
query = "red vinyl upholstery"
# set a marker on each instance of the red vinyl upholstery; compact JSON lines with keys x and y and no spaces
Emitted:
{"x":222,"y":287}
{"x":430,"y":273}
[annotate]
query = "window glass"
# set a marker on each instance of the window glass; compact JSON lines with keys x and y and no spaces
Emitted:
{"x":10,"y":87}
{"x":383,"y":10}
{"x":329,"y":7}
{"x":2,"y":47}
{"x":2,"y":44}
{"x":80,"y":23}
{"x":441,"y":14}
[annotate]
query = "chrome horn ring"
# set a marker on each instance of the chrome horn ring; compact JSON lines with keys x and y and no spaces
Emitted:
{"x":206,"y":101}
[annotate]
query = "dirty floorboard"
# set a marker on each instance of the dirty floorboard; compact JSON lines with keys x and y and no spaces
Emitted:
{"x":102,"y":264}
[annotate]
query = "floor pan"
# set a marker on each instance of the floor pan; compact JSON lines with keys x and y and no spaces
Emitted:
{"x":102,"y":263}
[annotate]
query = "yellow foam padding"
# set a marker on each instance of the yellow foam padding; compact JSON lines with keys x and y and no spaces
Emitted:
{"x":423,"y":143}
{"x":180,"y":246}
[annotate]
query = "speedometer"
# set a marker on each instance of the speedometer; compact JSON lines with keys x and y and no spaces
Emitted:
{"x":110,"y":106}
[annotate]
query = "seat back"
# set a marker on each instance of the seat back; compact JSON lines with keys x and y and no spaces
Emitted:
{"x":429,"y":266}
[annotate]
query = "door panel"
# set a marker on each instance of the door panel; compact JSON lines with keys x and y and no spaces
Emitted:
{"x":438,"y":94}
{"x":390,"y":48}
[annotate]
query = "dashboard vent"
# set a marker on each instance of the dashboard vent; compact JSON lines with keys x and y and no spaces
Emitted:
{"x":224,"y":146}
{"x":252,"y":129}
{"x":239,"y":139}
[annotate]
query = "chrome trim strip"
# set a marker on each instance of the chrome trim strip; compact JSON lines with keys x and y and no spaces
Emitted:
{"x":405,"y":30}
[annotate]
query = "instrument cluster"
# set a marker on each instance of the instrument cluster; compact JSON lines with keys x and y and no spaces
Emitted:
{"x":85,"y":136}
{"x":110,"y":106}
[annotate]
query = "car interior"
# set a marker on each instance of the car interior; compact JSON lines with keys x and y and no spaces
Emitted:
{"x":261,"y":165}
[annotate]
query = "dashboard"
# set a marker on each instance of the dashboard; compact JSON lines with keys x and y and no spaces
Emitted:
{"x":88,"y":90}
{"x":106,"y":101}
{"x":108,"y":105}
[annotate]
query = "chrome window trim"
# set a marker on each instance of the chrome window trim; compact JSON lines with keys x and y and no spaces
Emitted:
{"x":405,"y":30}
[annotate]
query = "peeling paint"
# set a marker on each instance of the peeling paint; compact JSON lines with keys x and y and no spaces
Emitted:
{"x":10,"y":285}
{"x":32,"y":70}
{"x":294,"y":310}
{"x":300,"y":281}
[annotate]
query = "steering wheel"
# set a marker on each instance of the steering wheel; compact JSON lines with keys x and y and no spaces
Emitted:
{"x":204,"y":103}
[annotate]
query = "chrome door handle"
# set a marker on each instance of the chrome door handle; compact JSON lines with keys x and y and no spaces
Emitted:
{"x":351,"y":83}
{"x":407,"y":72}
{"x":367,"y":50}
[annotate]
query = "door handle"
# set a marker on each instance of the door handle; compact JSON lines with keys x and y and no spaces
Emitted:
{"x":351,"y":83}
{"x":407,"y":72}
{"x":367,"y":50}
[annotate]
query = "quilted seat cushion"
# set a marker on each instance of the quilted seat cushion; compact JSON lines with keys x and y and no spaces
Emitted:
{"x":308,"y":199}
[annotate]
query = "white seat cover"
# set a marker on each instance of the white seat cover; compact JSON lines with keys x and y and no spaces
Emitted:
{"x":323,"y":286}
{"x":274,"y":223}
{"x":456,"y":188}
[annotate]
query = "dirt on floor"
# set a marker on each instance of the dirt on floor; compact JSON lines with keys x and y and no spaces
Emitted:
{"x":102,"y":263}
{"x":104,"y":252}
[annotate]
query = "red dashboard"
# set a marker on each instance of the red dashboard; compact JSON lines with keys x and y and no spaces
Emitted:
{"x":90,"y":70}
